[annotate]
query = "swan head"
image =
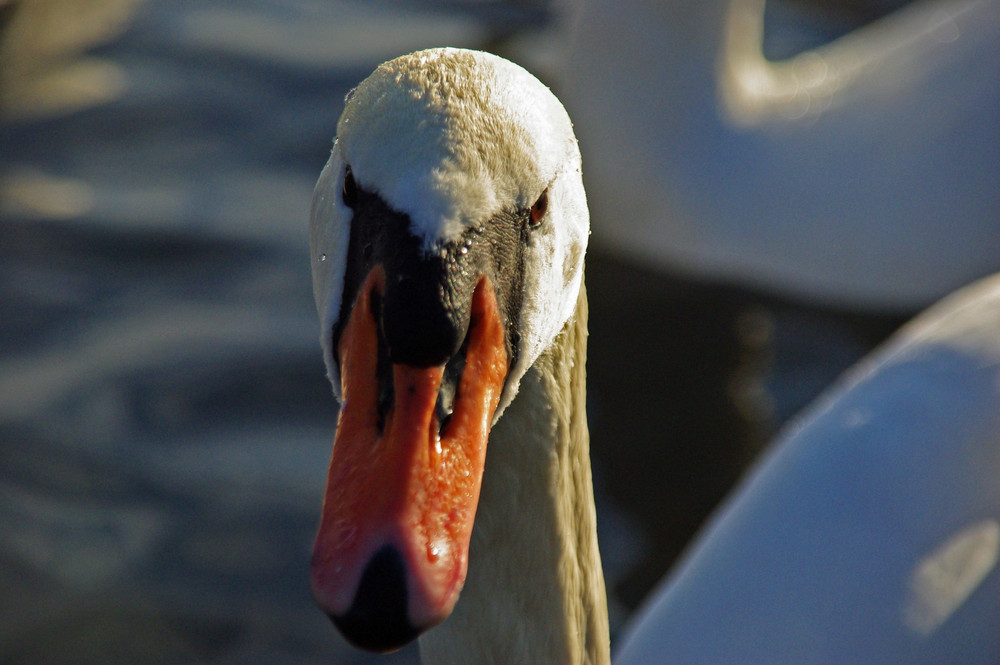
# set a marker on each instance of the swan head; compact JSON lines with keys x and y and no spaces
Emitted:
{"x":447,"y":234}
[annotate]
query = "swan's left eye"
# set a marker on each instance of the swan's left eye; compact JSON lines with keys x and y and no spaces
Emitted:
{"x":538,"y":209}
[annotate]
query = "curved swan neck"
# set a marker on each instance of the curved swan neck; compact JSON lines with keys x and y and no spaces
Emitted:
{"x":535,"y":590}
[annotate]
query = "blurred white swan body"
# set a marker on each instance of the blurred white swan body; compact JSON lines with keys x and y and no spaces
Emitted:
{"x":871,"y":532}
{"x":863,"y":173}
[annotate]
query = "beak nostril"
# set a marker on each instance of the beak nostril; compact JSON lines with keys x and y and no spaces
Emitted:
{"x":443,"y":423}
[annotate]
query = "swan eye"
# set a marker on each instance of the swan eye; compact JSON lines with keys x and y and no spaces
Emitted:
{"x":350,"y":191}
{"x":538,"y":209}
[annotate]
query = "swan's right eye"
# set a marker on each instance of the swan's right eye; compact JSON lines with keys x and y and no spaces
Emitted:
{"x":350,"y":191}
{"x":539,"y":208}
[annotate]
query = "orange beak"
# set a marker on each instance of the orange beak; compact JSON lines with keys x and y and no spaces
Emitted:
{"x":391,"y":554}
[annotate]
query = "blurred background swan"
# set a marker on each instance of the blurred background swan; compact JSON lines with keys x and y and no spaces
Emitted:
{"x":870,"y":531}
{"x":165,"y":420}
{"x":858,"y":172}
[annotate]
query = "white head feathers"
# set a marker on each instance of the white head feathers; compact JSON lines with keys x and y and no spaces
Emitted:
{"x":452,"y":137}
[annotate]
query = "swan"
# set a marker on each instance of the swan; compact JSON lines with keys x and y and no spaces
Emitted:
{"x":823,"y":177}
{"x":447,"y":237}
{"x":448,"y":232}
{"x":870,"y":532}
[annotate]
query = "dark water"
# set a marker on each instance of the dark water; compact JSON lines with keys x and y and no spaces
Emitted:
{"x":165,"y":420}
